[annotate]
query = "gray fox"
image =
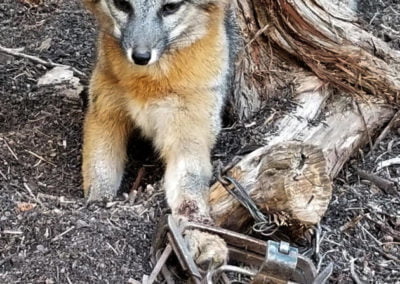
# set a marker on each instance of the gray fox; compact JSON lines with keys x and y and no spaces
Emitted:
{"x":163,"y":66}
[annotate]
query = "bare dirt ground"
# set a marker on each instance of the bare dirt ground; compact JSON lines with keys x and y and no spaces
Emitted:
{"x":48,"y":234}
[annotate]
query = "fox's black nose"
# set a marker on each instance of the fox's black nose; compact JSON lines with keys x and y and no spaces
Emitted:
{"x":141,"y":57}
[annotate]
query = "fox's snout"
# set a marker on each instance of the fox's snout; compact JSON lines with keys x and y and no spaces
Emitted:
{"x":142,"y":55}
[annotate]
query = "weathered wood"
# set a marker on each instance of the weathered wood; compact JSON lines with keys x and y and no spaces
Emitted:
{"x":287,"y":180}
{"x":291,"y":176}
{"x":281,"y":37}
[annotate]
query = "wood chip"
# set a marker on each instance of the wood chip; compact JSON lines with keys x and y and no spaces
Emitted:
{"x":25,"y":206}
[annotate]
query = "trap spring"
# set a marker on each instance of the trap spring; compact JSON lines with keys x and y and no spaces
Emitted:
{"x":274,"y":262}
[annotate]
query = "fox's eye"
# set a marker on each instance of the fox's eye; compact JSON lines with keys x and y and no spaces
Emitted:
{"x":171,"y":8}
{"x":123,"y":5}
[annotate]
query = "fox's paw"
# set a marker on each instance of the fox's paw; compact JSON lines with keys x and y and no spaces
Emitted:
{"x":208,"y":250}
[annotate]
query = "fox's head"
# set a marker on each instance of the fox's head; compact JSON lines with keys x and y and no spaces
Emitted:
{"x":146,"y":29}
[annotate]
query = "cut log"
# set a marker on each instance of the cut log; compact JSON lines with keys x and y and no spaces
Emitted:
{"x":291,"y":176}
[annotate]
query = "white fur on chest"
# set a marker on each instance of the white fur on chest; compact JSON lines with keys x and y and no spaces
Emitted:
{"x":153,"y":117}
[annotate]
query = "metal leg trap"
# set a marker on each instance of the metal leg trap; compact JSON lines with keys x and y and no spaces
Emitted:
{"x":271,"y":262}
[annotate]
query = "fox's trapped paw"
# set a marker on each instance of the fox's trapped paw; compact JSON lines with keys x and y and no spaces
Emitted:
{"x":208,"y":250}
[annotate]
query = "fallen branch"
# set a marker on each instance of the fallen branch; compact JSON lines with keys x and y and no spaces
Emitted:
{"x":17,"y":52}
{"x":387,"y":186}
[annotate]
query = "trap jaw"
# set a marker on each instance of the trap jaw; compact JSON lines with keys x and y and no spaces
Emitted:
{"x":277,"y":262}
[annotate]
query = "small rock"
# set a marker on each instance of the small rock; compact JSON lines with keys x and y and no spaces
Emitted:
{"x":81,"y":224}
{"x":47,"y":233}
{"x":41,"y":248}
{"x":133,"y":281}
{"x":387,"y":239}
{"x":149,"y":189}
{"x":110,"y":204}
{"x":67,"y":84}
{"x":6,"y":59}
{"x":57,"y":211}
{"x":45,"y":45}
{"x":57,"y":75}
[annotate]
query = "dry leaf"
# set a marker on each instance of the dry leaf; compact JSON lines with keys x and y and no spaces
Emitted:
{"x":25,"y":206}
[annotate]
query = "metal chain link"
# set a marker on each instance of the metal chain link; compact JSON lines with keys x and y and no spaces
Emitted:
{"x":264,"y":224}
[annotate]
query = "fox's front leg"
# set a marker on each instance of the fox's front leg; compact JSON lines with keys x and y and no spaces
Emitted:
{"x":104,"y":151}
{"x":185,"y":143}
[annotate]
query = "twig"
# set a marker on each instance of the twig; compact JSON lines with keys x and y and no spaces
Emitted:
{"x":3,"y":175}
{"x":385,"y":132}
{"x":373,"y":18}
{"x":112,"y":248}
{"x":31,"y":194}
{"x":12,"y":232}
{"x":371,"y":236}
{"x":56,"y":238}
{"x":388,"y":163}
{"x":354,"y":274}
{"x":135,"y":186}
{"x":17,"y":52}
{"x":41,"y":158}
{"x":29,"y":190}
{"x":48,"y":196}
{"x":386,"y":228}
{"x":386,"y":185}
{"x":388,"y":256}
{"x":160,"y":263}
{"x":69,"y":280}
{"x":321,"y":259}
{"x":11,"y":150}
{"x":352,"y":223}
{"x":397,"y":33}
